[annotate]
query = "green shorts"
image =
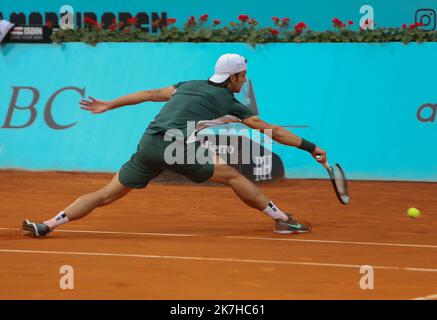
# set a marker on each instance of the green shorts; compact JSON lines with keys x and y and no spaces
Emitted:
{"x":151,"y":159}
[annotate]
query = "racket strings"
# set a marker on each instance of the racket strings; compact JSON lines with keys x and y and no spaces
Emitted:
{"x":340,"y":180}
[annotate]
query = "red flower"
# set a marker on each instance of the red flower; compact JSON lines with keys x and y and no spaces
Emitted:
{"x":337,"y":23}
{"x":300,"y":27}
{"x":132,"y":21}
{"x":191,"y":21}
{"x":243,"y":17}
{"x":49,"y":24}
{"x":112,"y":27}
{"x":217,"y":22}
{"x":415,"y":25}
{"x":274,"y":32}
{"x":350,"y":22}
{"x":275,"y":19}
{"x":171,"y":21}
{"x":286,"y":21}
{"x":204,"y":17}
{"x":89,"y":20}
{"x":252,"y":21}
{"x":404,"y":25}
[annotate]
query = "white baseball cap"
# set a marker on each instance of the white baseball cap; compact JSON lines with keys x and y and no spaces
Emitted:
{"x":226,"y":65}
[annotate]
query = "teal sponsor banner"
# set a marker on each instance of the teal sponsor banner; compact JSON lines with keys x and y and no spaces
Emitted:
{"x":316,"y":13}
{"x":372,"y":107}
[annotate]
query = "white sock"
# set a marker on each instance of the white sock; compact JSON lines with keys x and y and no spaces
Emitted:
{"x":60,"y":219}
{"x":274,"y":212}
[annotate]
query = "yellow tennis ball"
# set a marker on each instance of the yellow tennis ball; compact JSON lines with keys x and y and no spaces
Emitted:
{"x":413,"y":213}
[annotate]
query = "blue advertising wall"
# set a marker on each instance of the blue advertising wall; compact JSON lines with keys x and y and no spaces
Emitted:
{"x":316,"y":13}
{"x":359,"y":101}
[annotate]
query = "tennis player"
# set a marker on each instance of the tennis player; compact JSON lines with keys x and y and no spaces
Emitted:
{"x":196,"y":100}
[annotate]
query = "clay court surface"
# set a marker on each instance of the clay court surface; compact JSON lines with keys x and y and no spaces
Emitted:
{"x":201,"y":242}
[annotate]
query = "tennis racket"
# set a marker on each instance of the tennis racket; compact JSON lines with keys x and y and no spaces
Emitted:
{"x":339,"y":181}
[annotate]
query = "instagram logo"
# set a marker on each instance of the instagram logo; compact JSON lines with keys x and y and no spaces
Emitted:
{"x":427,"y":17}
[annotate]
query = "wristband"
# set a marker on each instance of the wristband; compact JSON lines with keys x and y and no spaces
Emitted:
{"x":307,"y":146}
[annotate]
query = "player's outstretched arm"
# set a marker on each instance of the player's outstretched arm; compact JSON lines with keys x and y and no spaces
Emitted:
{"x":100,"y":106}
{"x":283,"y":136}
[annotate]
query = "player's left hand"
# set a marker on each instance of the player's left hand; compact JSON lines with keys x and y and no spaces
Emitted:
{"x":95,"y":106}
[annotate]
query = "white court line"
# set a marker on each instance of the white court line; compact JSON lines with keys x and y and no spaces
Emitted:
{"x":250,"y":238}
{"x":146,"y":256}
{"x":431,"y":297}
{"x":338,"y":242}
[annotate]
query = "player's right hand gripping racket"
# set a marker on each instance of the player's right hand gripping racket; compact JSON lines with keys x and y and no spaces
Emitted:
{"x":339,"y":181}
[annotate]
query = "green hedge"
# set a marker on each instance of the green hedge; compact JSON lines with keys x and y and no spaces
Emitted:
{"x":245,"y":30}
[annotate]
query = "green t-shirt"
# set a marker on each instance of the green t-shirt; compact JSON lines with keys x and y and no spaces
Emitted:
{"x":202,"y":102}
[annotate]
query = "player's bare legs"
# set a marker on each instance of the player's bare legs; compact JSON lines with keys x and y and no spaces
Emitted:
{"x":245,"y":190}
{"x":81,"y":207}
{"x":86,"y":203}
{"x":253,"y":197}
